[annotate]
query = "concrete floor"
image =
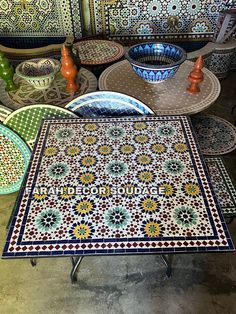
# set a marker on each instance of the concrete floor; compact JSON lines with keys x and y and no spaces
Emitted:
{"x":201,"y":283}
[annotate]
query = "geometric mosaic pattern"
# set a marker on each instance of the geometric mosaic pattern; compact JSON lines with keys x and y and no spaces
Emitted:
{"x":14,"y":159}
{"x":223,"y":185}
{"x":56,"y":94}
{"x":98,"y":51}
{"x":220,"y":62}
{"x":124,"y":185}
{"x":4,"y":112}
{"x":27,"y":120}
{"x":138,"y":19}
{"x":216,"y":136}
{"x":166,"y":98}
{"x":47,"y":18}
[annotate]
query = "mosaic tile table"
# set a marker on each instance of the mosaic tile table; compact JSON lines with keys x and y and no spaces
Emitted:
{"x":14,"y":159}
{"x":223,"y":185}
{"x":216,"y":136}
{"x":125,"y":186}
{"x":95,"y":52}
{"x":167,"y":98}
{"x":55,"y":95}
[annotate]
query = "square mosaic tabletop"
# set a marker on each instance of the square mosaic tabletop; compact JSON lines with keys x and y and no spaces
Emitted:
{"x":116,"y":186}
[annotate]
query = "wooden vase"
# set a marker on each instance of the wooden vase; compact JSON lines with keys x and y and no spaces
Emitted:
{"x":196,"y":76}
{"x":69,"y":70}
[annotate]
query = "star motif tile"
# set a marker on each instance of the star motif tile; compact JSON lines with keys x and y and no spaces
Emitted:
{"x":116,"y":186}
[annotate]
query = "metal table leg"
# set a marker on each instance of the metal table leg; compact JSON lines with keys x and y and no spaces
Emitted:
{"x":33,"y":262}
{"x":75,"y":264}
{"x":229,"y":220}
{"x":167,"y":261}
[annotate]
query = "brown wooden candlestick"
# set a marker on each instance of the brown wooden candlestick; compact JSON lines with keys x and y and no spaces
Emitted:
{"x":196,"y":76}
{"x":69,"y":70}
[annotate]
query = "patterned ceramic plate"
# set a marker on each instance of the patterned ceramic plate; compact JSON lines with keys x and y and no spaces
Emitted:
{"x":223,"y":185}
{"x":94,"y":52}
{"x":14,"y":159}
{"x":105,"y":103}
{"x":27,"y":120}
{"x":4,"y":112}
{"x":216,"y":136}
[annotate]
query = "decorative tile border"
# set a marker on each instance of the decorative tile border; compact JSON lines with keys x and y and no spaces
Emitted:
{"x":60,"y":225}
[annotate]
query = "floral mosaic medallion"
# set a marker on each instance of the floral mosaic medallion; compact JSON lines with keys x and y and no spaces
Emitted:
{"x":117,"y":168}
{"x":58,"y":170}
{"x":83,"y":230}
{"x":166,"y":131}
{"x":117,"y":218}
{"x":64,"y":133}
{"x":185,"y":216}
{"x":48,"y":220}
{"x":116,"y":133}
{"x":14,"y":159}
{"x":152,"y":228}
{"x":173,"y":167}
{"x":216,"y":136}
{"x":118,"y":185}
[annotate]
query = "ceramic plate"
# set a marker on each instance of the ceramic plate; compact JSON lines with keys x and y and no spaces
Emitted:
{"x":105,"y":103}
{"x":27,"y":120}
{"x":15,"y":156}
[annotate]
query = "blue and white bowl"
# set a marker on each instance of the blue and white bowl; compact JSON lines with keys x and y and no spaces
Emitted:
{"x":155,"y":62}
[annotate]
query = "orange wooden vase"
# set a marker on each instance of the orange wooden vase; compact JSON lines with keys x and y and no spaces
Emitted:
{"x":69,"y":70}
{"x":196,"y":76}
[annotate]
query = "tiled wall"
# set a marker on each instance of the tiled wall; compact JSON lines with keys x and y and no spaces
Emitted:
{"x":40,"y":18}
{"x":127,"y":19}
{"x":118,"y":19}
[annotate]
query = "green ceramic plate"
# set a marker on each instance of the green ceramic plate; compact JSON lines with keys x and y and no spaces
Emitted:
{"x":14,"y":159}
{"x":26,"y":121}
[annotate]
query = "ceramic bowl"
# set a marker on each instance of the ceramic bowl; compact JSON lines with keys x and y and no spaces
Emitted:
{"x":155,"y":62}
{"x":39,"y":72}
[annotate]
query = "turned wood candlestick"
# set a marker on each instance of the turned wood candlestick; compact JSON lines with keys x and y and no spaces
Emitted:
{"x":69,"y":70}
{"x":196,"y":76}
{"x":7,"y":72}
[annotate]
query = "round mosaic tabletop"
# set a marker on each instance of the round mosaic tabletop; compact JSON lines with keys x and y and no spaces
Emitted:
{"x":26,"y":121}
{"x":14,"y":159}
{"x":167,"y":98}
{"x":26,"y":94}
{"x":216,"y":136}
{"x":95,"y":52}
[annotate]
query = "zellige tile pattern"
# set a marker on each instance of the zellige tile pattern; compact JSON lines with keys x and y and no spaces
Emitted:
{"x":223,"y":185}
{"x":180,"y":215}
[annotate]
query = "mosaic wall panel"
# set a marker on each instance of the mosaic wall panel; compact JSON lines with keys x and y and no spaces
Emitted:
{"x":42,"y":18}
{"x":143,"y":19}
